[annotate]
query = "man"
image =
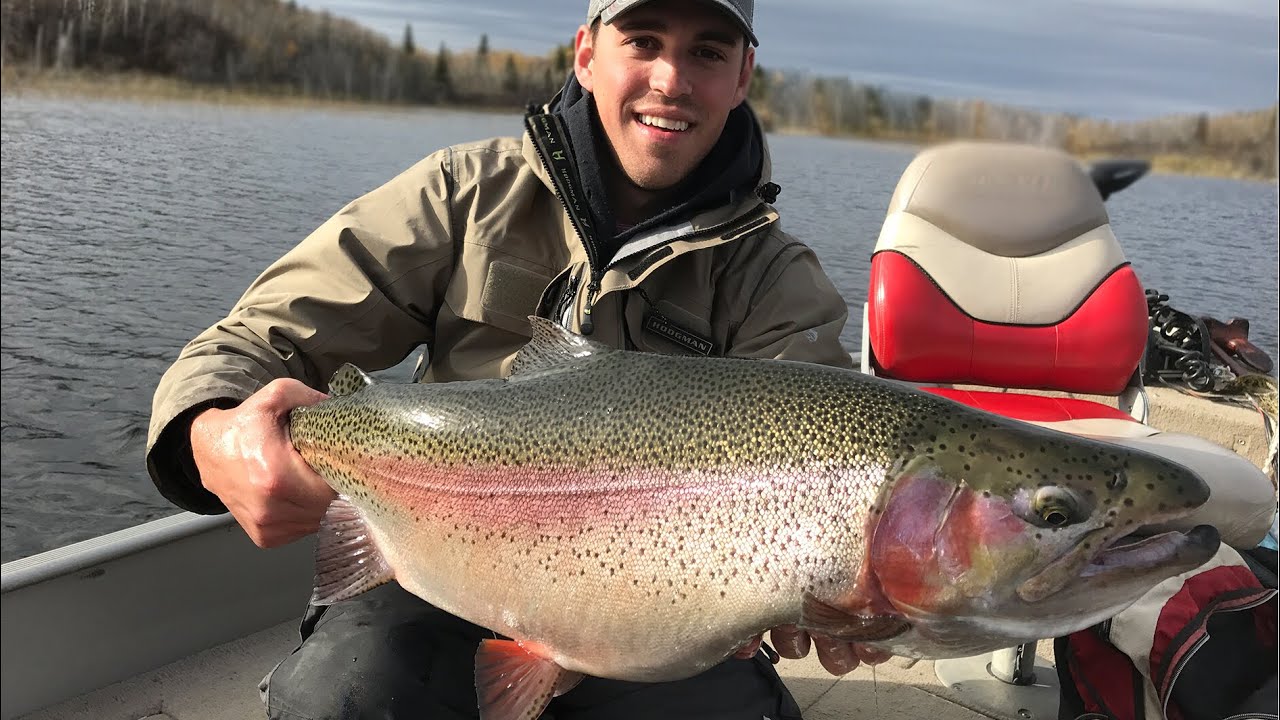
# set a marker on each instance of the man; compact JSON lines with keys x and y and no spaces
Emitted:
{"x":635,"y":209}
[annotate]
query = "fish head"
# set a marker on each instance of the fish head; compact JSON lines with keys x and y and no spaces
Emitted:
{"x":1005,"y":532}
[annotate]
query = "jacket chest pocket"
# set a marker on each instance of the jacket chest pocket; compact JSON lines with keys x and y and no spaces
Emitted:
{"x":498,"y":291}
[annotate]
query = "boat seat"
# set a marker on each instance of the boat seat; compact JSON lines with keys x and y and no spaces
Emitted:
{"x":997,"y":270}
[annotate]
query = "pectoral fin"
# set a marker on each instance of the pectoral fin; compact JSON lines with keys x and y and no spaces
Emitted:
{"x":347,"y":560}
{"x":513,"y":682}
{"x":862,"y":626}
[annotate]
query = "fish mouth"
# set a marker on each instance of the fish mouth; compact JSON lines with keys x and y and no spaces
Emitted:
{"x":1126,"y":558}
{"x":1169,"y":548}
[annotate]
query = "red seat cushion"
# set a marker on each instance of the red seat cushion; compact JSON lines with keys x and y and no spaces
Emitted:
{"x":918,"y":334}
{"x":1031,"y":408}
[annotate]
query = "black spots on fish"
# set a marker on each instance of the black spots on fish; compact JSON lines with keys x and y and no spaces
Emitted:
{"x":1128,"y":502}
{"x":1151,"y":486}
{"x":1162,"y":507}
{"x":1039,"y":536}
{"x":985,"y":493}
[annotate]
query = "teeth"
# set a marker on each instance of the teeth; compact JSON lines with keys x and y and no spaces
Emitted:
{"x":664,"y":123}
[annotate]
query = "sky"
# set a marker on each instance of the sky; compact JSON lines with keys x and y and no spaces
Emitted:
{"x":1118,"y":59}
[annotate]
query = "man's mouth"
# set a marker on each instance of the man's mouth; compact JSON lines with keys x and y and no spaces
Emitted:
{"x":668,"y":124}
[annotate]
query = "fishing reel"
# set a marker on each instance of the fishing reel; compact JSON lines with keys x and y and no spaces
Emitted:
{"x":1178,"y":347}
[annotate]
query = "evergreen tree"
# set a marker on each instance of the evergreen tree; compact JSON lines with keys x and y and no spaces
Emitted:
{"x":759,"y":92}
{"x":443,"y":80}
{"x":409,"y":48}
{"x":562,"y":59}
{"x":510,"y":76}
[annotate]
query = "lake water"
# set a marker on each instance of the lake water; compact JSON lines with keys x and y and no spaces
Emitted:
{"x":127,"y":228}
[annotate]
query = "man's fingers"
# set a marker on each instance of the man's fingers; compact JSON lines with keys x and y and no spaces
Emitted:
{"x":838,"y":657}
{"x":749,"y":650}
{"x":870,"y":655}
{"x":790,"y":641}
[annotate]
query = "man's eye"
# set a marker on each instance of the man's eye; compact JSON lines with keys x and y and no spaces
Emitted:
{"x":710,"y":54}
{"x":642,"y":43}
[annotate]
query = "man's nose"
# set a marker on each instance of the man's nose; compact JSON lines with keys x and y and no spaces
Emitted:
{"x":670,"y":78}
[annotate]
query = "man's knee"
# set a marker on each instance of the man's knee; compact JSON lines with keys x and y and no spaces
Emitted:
{"x":384,"y":654}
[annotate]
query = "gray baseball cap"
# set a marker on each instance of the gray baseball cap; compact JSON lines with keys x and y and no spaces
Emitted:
{"x":739,"y":10}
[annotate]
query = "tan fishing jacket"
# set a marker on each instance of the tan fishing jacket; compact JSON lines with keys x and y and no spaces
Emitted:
{"x":456,"y":253}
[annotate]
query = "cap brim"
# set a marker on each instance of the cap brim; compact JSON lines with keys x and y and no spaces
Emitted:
{"x":619,"y":7}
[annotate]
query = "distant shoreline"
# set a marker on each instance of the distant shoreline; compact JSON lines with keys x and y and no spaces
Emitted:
{"x":157,"y":88}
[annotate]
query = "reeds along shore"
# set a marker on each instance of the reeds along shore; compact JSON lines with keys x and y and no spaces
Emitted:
{"x":266,"y":51}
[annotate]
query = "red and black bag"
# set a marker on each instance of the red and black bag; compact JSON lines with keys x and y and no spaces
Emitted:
{"x":1199,"y":646}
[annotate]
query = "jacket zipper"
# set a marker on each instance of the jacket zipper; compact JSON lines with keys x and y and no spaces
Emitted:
{"x":593,"y":260}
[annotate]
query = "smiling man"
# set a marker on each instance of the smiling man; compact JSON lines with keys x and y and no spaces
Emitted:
{"x":636,"y":208}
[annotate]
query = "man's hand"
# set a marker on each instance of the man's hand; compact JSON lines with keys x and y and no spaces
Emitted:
{"x":838,"y":657}
{"x":245,"y":457}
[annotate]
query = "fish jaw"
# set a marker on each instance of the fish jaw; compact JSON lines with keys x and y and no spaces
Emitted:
{"x":1121,"y":571}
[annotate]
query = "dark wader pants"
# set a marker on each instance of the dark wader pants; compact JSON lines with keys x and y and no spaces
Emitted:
{"x":388,"y":655}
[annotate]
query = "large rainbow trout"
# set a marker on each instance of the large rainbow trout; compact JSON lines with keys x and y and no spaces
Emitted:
{"x":639,"y":516}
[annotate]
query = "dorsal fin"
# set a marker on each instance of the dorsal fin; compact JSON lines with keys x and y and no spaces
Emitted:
{"x":552,"y":346}
{"x":348,"y":379}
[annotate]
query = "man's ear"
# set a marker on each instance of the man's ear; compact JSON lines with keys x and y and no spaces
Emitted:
{"x":744,"y":78}
{"x":583,"y":51}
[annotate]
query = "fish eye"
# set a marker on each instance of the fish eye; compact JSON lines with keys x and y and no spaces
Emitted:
{"x":1055,"y":507}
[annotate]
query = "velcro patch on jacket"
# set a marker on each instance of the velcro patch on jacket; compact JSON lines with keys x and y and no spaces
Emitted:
{"x":661,"y":325}
{"x":512,"y":290}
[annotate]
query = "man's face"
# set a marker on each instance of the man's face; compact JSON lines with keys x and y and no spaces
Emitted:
{"x":665,"y":76}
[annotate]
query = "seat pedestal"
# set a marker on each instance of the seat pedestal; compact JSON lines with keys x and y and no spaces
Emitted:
{"x":1033,"y":694}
